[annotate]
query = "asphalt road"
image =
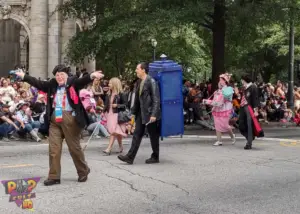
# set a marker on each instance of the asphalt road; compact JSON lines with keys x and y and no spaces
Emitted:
{"x":193,"y":177}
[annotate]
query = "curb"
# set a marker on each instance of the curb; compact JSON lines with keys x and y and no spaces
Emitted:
{"x":202,"y":137}
{"x":242,"y":138}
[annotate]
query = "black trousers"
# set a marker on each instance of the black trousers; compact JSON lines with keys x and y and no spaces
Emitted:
{"x":246,"y":124}
{"x":153,"y":131}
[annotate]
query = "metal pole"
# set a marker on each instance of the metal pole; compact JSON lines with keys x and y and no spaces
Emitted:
{"x":154,"y":53}
{"x":291,"y":63}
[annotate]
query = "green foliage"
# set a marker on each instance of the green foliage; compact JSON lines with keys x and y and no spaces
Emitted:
{"x":257,"y":41}
{"x":121,"y":35}
{"x":257,"y":33}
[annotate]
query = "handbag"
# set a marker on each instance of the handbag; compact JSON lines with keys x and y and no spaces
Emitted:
{"x":218,"y":100}
{"x":124,"y":116}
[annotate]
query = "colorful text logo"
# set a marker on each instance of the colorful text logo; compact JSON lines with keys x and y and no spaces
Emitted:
{"x":20,"y":191}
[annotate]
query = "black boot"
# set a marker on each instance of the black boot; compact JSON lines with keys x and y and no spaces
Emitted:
{"x":152,"y":160}
{"x":125,"y":158}
{"x":248,"y":147}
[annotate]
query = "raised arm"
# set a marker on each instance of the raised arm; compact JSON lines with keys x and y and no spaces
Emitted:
{"x":39,"y":84}
{"x":80,"y":83}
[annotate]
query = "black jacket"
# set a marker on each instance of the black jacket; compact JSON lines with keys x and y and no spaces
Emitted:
{"x":78,"y":73}
{"x":252,"y":96}
{"x":50,"y":87}
{"x":148,"y":104}
{"x":119,"y":99}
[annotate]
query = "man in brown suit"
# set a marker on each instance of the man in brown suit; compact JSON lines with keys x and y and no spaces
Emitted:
{"x":66,"y":118}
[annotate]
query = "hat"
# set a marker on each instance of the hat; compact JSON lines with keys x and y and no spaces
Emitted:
{"x":21,"y":104}
{"x":5,"y":100}
{"x":61,"y":68}
{"x":5,"y":106}
{"x":226,"y":77}
{"x":11,"y":103}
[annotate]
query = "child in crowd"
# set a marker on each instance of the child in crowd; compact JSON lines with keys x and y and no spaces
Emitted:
{"x":297,"y":117}
{"x":287,"y":118}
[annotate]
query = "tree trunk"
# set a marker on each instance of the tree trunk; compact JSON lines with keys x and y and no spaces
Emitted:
{"x":218,"y":55}
{"x":266,"y":74}
{"x":100,"y":7}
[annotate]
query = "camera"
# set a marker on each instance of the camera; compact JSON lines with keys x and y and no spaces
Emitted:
{"x":13,"y":72}
{"x":16,"y":70}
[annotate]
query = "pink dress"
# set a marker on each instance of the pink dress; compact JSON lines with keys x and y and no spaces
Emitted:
{"x":222,"y":113}
{"x":112,"y":121}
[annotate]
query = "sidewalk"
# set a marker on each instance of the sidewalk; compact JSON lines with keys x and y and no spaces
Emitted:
{"x":264,"y":125}
{"x":272,"y":131}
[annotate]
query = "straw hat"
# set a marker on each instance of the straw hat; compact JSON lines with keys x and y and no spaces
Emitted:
{"x":21,"y":104}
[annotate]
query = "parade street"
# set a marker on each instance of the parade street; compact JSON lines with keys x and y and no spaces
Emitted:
{"x":193,"y":177}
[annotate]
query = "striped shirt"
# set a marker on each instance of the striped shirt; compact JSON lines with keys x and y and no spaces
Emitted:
{"x":243,"y":101}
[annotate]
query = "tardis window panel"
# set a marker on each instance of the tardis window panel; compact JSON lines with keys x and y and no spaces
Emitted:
{"x":171,"y":85}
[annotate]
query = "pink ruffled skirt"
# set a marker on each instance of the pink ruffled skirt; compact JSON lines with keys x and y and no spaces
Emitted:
{"x":221,"y":120}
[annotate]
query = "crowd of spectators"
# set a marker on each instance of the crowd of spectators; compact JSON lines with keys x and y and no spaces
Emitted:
{"x":273,"y":103}
{"x":23,"y":106}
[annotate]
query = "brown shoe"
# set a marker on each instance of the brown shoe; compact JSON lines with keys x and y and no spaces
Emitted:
{"x":84,"y":177}
{"x":50,"y":182}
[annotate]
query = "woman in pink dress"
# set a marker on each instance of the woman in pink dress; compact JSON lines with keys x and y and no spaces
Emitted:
{"x":222,"y":109}
{"x":114,"y":103}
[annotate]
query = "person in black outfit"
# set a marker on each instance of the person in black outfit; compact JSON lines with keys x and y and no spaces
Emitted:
{"x":250,"y":97}
{"x":81,"y":73}
{"x":146,"y":110}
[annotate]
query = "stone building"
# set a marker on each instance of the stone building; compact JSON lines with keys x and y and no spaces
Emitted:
{"x":33,"y":35}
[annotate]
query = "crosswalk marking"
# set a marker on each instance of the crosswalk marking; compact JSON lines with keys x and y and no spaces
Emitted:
{"x":15,"y":166}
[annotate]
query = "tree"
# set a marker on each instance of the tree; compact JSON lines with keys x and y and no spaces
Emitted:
{"x":219,"y":31}
{"x":121,"y":35}
{"x":205,"y":35}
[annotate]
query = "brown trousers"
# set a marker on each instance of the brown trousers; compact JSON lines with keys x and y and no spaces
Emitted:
{"x":69,"y":130}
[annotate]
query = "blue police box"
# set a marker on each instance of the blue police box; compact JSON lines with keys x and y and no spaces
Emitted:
{"x":168,"y":75}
